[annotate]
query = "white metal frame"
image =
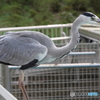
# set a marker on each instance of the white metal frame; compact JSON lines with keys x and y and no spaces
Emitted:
{"x":6,"y":94}
{"x":75,"y":65}
{"x":36,"y":27}
{"x":86,"y":32}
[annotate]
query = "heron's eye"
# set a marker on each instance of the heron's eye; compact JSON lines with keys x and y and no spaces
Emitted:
{"x":93,"y":18}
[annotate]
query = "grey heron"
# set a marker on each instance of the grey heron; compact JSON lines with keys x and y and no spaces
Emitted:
{"x":30,"y":48}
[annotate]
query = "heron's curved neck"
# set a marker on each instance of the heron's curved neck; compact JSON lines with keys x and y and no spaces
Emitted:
{"x":74,"y":39}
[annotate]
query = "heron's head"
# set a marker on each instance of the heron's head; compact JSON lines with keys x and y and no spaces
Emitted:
{"x":90,"y":18}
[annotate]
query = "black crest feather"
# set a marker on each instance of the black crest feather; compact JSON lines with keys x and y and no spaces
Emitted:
{"x":88,"y":14}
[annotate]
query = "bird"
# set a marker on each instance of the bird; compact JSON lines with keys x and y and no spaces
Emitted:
{"x":29,"y":49}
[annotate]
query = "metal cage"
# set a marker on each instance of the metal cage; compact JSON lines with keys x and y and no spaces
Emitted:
{"x":58,"y":83}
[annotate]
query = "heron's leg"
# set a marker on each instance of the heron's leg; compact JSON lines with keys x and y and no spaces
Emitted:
{"x":22,"y":86}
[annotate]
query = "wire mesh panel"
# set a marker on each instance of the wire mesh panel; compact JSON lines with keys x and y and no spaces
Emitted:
{"x":1,"y":74}
{"x":63,"y":83}
{"x":89,"y":58}
{"x":58,"y":83}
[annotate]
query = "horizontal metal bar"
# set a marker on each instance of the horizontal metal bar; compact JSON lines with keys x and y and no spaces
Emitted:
{"x":82,"y":53}
{"x":60,"y":38}
{"x":62,"y":65}
{"x":36,"y":27}
{"x":84,"y":31}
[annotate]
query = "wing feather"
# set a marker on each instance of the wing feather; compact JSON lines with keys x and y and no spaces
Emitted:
{"x":40,"y":37}
{"x":20,"y":50}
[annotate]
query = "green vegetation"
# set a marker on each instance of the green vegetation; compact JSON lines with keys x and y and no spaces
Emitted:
{"x":39,"y":12}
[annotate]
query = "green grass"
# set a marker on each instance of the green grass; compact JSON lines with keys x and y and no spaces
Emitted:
{"x":43,"y":12}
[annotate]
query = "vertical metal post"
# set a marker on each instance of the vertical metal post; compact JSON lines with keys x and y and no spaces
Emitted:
{"x":1,"y":74}
{"x":98,"y":55}
{"x":99,"y":84}
{"x":6,"y":77}
{"x":61,"y":30}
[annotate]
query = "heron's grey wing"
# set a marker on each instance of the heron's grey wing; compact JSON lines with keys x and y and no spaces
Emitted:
{"x":40,"y":37}
{"x":20,"y":50}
